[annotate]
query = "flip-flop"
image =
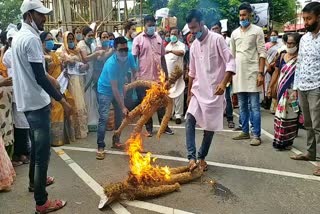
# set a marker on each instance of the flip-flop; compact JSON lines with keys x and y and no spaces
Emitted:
{"x":16,"y":163}
{"x":317,"y":172}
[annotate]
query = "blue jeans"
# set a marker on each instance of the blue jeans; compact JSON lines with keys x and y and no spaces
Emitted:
{"x":39,"y":121}
{"x":191,"y":140}
{"x":246,"y":100}
{"x":229,"y":108}
{"x":104,"y":102}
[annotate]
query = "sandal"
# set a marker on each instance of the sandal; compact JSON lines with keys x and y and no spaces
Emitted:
{"x":16,"y":163}
{"x":203,"y":165}
{"x":100,"y":155}
{"x":50,"y":181}
{"x":302,"y":157}
{"x":24,"y":159}
{"x":231,"y":124}
{"x":50,"y":206}
{"x":317,"y":172}
{"x":192,"y":165}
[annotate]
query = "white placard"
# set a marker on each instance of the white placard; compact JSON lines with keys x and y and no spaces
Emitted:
{"x":261,"y":14}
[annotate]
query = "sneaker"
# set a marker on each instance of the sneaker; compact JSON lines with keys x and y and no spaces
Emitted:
{"x":255,"y":142}
{"x":242,"y":136}
{"x":168,"y":131}
{"x":178,"y":121}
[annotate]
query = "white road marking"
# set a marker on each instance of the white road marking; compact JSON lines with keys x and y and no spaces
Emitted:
{"x":294,"y":150}
{"x":211,"y":163}
{"x":116,"y":207}
{"x":155,"y":207}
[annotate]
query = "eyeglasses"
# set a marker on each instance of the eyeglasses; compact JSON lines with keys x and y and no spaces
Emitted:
{"x":123,"y":50}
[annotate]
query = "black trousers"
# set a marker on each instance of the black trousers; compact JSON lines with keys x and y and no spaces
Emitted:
{"x":21,"y":139}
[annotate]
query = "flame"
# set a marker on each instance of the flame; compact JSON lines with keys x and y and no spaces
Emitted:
{"x":141,"y":166}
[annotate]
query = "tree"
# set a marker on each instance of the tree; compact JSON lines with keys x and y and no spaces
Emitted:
{"x":150,"y":6}
{"x":10,"y":12}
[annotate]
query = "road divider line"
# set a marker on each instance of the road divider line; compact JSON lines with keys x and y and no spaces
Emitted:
{"x":269,"y":135}
{"x":116,"y":207}
{"x":211,"y":163}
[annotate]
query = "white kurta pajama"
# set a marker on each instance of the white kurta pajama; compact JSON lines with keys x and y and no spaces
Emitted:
{"x":209,"y":61}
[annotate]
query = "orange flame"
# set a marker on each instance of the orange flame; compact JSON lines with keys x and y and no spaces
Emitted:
{"x":141,"y":166}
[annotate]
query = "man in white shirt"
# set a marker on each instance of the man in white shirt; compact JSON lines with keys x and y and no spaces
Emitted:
{"x":175,"y":51}
{"x":32,"y":89}
{"x":307,"y":81}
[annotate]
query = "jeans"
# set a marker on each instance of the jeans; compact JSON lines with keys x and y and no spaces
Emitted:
{"x":229,"y":108}
{"x":255,"y":114}
{"x":141,"y":93}
{"x":191,"y":139}
{"x":21,"y":142}
{"x":310,"y":105}
{"x":39,"y":121}
{"x":104,"y":102}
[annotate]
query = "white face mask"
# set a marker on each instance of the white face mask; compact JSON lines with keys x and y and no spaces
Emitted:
{"x":34,"y":25}
{"x":292,"y":50}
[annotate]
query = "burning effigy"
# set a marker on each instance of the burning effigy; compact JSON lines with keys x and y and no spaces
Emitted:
{"x":145,"y":178}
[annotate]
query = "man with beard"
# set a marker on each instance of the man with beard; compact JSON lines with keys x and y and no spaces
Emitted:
{"x":307,"y":80}
{"x":32,"y":91}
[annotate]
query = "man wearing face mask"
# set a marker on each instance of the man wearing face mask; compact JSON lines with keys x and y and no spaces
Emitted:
{"x":175,"y":51}
{"x":33,"y":89}
{"x":307,"y":81}
{"x":211,"y":68}
{"x":110,"y":90}
{"x":148,"y":49}
{"x":248,"y":47}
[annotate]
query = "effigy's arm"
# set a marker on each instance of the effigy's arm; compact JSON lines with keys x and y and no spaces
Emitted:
{"x":137,"y":111}
{"x":139,"y":83}
{"x":167,"y":116}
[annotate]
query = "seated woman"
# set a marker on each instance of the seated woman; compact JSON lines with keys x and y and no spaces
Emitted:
{"x":287,"y":111}
{"x":62,"y":128}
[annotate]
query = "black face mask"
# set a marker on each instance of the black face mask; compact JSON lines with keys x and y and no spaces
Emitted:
{"x":313,"y":27}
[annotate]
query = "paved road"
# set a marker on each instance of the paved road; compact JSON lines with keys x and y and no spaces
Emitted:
{"x":250,"y":179}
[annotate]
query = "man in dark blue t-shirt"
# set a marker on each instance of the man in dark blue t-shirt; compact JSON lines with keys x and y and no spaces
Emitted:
{"x":111,"y":90}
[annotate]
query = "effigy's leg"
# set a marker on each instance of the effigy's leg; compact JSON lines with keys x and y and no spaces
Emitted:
{"x":166,"y":118}
{"x":129,"y":118}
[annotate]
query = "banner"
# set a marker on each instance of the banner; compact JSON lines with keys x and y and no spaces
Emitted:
{"x":224,"y":25}
{"x":163,"y":13}
{"x":260,"y":14}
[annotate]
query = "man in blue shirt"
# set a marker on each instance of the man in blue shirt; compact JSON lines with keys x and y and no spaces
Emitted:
{"x":111,"y":90}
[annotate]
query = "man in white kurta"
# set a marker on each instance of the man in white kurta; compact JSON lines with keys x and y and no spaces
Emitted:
{"x":248,"y":48}
{"x":211,"y":68}
{"x":175,"y":51}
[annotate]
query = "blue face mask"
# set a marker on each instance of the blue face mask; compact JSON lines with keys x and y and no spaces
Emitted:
{"x":173,"y":39}
{"x":79,"y":37}
{"x":49,"y":45}
{"x":105,"y":43}
{"x":90,"y":41}
{"x":273,"y":39}
{"x":151,"y":30}
{"x":244,"y":23}
{"x":198,"y":34}
{"x":71,"y":45}
{"x":167,"y":39}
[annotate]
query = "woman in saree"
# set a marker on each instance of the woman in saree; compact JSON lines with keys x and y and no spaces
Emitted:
{"x":287,"y":112}
{"x":90,"y":57}
{"x":7,"y":173}
{"x":75,"y":69}
{"x":62,"y":128}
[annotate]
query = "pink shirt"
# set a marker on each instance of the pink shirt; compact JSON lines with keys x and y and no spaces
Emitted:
{"x":149,"y":51}
{"x":209,"y":61}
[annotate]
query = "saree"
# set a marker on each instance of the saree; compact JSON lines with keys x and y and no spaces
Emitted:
{"x":7,"y":173}
{"x":286,"y":119}
{"x":62,"y":128}
{"x":76,"y":89}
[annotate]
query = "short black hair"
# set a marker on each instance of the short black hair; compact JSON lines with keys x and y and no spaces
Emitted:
{"x":128,"y":26}
{"x":44,"y":35}
{"x":74,"y":29}
{"x":119,"y":40}
{"x":296,"y":36}
{"x":174,"y":28}
{"x":148,"y":18}
{"x":194,"y":14}
{"x":285,"y":37}
{"x":218,"y":23}
{"x":313,"y":7}
{"x":245,"y":6}
{"x":275,"y":31}
{"x":111,"y":34}
{"x":86,"y":30}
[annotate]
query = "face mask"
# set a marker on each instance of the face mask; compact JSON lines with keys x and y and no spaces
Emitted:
{"x":198,"y":34}
{"x":90,"y":41}
{"x":173,"y":39}
{"x":79,"y":37}
{"x":167,"y":39}
{"x":71,"y":45}
{"x":244,"y":23}
{"x":105,"y":43}
{"x":273,"y":39}
{"x":33,"y":24}
{"x":49,"y":45}
{"x":292,"y":50}
{"x":151,"y":30}
{"x":122,"y":58}
{"x":312,"y":27}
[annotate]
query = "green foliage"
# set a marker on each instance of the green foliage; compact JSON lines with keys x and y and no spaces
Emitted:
{"x":9,"y":12}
